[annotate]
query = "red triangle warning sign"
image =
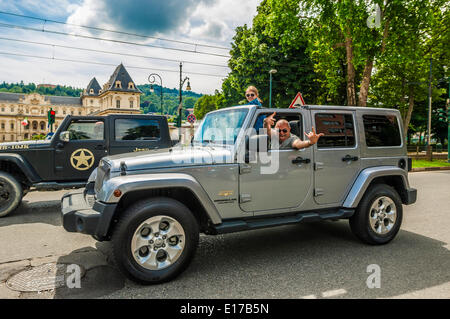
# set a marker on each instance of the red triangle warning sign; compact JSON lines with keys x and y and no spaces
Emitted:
{"x":298,"y":101}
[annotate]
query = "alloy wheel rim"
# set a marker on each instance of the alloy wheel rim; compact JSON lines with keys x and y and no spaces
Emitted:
{"x":382,"y":215}
{"x":158,"y":242}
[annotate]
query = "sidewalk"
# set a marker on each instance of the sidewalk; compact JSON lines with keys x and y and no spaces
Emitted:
{"x":423,"y":169}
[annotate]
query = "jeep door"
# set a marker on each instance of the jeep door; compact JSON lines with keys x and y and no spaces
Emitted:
{"x":75,"y":159}
{"x":337,"y":155}
{"x":274,"y":180}
{"x":135,"y":133}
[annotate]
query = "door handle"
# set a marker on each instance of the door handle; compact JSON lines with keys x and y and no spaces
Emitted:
{"x":100,"y":147}
{"x":300,"y":160}
{"x":348,"y":158}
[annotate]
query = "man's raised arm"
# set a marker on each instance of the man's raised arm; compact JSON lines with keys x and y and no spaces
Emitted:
{"x":268,"y":123}
{"x":312,"y":139}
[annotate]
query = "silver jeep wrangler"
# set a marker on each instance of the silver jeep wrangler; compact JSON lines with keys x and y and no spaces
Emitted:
{"x":153,"y":205}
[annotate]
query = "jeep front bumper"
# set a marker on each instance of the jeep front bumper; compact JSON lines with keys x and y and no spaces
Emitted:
{"x":81,"y":214}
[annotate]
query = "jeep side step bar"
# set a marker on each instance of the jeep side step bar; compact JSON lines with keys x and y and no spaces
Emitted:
{"x":256,"y":223}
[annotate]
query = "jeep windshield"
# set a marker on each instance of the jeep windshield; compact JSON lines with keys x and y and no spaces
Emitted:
{"x":221,"y":127}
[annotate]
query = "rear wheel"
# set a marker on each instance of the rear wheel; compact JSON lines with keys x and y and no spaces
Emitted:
{"x":379,"y":215}
{"x":10,"y":193}
{"x":155,"y":240}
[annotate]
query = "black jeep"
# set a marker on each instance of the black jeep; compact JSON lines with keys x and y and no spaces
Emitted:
{"x":67,"y":159}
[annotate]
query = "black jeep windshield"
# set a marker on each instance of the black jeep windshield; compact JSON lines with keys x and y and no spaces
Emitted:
{"x":221,"y":127}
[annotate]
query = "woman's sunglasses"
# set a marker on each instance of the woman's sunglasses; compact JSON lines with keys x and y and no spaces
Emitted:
{"x":250,"y":95}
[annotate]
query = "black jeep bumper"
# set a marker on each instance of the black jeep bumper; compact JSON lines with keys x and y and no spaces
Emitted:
{"x":81,"y":214}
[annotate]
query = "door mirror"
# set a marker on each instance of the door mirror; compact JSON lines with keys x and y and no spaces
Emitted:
{"x":64,"y":136}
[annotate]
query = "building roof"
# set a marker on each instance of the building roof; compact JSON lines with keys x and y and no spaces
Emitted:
{"x":69,"y":100}
{"x":121,"y":74}
{"x":58,"y":100}
{"x":94,"y":86}
{"x":11,"y":97}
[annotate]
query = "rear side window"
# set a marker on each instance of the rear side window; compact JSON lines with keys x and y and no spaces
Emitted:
{"x":381,"y":130}
{"x":338,"y":130}
{"x":136,"y":129}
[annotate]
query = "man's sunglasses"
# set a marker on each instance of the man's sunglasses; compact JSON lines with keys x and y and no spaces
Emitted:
{"x":282,"y":130}
{"x":251,"y":94}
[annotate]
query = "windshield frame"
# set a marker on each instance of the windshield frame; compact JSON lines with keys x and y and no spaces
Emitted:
{"x":248,"y":117}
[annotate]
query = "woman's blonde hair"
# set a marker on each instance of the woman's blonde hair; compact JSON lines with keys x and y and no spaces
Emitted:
{"x":253,"y":89}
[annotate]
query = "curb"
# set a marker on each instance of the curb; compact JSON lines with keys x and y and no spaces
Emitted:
{"x":424,"y":169}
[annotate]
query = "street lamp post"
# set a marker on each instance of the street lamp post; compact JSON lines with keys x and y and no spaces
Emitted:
{"x":273,"y":71}
{"x":152,"y":79}
{"x":180,"y":106}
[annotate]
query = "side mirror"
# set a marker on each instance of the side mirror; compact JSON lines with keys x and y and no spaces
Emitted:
{"x":64,"y":136}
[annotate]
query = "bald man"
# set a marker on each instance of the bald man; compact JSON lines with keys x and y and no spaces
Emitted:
{"x":286,"y":139}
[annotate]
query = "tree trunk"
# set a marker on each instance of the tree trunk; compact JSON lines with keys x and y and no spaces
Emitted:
{"x":364,"y":88}
{"x":351,"y":91}
{"x":410,"y":109}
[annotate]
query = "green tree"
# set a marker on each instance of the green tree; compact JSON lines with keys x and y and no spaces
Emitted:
{"x":402,"y":76}
{"x":275,"y":41}
{"x":205,"y":104}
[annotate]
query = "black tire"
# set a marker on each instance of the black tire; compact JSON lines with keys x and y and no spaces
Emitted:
{"x":128,"y":224}
{"x":11,"y":194}
{"x":360,"y":222}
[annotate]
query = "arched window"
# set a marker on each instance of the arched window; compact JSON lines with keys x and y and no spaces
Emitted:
{"x":91,"y":91}
{"x":118,"y":85}
{"x":131,"y":86}
{"x":35,"y":125}
{"x":118,"y":103}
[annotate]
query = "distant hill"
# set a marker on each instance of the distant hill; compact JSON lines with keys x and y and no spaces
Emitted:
{"x":150,"y":102}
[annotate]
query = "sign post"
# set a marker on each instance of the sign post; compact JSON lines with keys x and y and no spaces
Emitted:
{"x":191,"y":119}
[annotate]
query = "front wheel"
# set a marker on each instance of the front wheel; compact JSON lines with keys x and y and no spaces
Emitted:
{"x":155,"y":240}
{"x":10,"y":194}
{"x":379,"y":215}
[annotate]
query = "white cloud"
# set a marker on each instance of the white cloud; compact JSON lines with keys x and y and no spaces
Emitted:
{"x":208,"y":22}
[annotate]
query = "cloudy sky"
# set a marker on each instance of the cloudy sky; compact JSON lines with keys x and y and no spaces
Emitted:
{"x":200,"y":31}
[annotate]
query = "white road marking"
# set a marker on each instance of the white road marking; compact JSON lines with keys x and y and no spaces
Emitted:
{"x":333,"y":293}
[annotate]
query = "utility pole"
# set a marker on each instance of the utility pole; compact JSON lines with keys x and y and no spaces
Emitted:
{"x":448,"y":122}
{"x":429,"y":149}
{"x":180,"y":106}
{"x":273,"y":71}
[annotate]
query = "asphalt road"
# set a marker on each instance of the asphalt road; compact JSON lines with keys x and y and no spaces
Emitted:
{"x":314,"y":260}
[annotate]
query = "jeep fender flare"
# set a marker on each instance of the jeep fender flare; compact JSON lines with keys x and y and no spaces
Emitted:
{"x":23,"y":165}
{"x":366,"y":176}
{"x":133,"y":183}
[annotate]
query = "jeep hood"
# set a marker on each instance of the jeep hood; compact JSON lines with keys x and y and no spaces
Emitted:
{"x":170,"y":158}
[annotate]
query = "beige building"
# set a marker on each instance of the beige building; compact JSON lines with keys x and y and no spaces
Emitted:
{"x":118,"y":95}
